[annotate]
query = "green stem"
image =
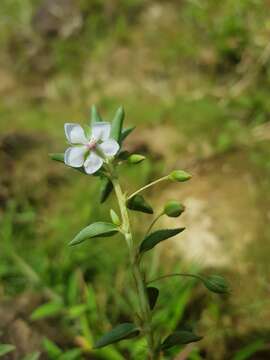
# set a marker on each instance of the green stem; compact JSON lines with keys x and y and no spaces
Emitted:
{"x":147,"y":186}
{"x":154,"y":221}
{"x":145,"y":312}
{"x":172,"y":275}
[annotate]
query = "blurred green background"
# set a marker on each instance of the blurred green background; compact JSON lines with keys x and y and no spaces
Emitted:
{"x":194,"y":78}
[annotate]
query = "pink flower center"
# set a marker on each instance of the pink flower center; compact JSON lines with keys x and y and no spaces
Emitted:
{"x":92,"y":145}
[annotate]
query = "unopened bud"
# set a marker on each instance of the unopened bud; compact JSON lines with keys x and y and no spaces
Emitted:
{"x":173,"y":208}
{"x":216,"y":284}
{"x":136,"y":158}
{"x":179,"y":175}
{"x":115,"y":217}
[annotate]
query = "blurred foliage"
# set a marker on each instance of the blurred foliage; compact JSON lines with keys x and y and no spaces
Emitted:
{"x":201,"y":67}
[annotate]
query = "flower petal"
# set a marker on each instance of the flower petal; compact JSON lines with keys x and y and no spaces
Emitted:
{"x":109,"y":147}
{"x":101,"y":130}
{"x":75,"y":134}
{"x":74,"y":156}
{"x":93,"y":163}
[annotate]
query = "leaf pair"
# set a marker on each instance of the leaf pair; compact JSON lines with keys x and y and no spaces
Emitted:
{"x":129,"y":330}
{"x":105,"y":229}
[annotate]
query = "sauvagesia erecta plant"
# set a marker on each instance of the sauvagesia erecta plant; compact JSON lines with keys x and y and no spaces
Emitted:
{"x":99,"y":150}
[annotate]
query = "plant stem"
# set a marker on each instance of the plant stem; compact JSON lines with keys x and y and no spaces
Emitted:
{"x":145,"y":312}
{"x":147,"y":186}
{"x":154,"y":221}
{"x":172,"y":275}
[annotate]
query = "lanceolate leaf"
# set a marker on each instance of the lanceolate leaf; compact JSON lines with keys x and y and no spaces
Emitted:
{"x":125,"y":133}
{"x":98,"y":229}
{"x":152,"y":294}
{"x":6,"y":348}
{"x":180,"y":337}
{"x":117,"y":124}
{"x":49,"y":309}
{"x":105,"y":189}
{"x":33,"y":356}
{"x":138,"y":203}
{"x":120,"y":332}
{"x":157,"y":236}
{"x":52,"y":350}
{"x":57,"y":157}
{"x":73,"y":354}
{"x":95,"y":117}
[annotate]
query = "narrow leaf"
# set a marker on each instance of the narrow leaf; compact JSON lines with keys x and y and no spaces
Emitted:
{"x":180,"y":337}
{"x":95,"y":117}
{"x":105,"y":189}
{"x":98,"y":229}
{"x":157,"y":236}
{"x":138,"y":203}
{"x":125,"y":133}
{"x":73,"y":354}
{"x":76,"y":311}
{"x":247,"y":351}
{"x":152,"y":294}
{"x":47,"y":310}
{"x":6,"y":348}
{"x":120,"y":332}
{"x":52,"y":350}
{"x":117,"y":124}
{"x":57,"y":157}
{"x":33,"y":356}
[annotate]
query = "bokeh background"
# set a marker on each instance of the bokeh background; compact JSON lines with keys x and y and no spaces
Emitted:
{"x":194,"y":78}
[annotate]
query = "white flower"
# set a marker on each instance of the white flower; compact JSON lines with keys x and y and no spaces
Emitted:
{"x":89,"y":151}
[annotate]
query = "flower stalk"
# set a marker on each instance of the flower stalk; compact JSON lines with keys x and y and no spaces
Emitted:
{"x":145,"y":311}
{"x":148,"y":186}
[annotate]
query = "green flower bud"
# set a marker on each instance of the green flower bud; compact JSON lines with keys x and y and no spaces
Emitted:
{"x":216,"y":284}
{"x":115,"y":218}
{"x":179,"y":175}
{"x":136,"y":158}
{"x":173,"y":208}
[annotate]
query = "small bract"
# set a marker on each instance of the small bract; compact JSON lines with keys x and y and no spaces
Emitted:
{"x":89,"y":151}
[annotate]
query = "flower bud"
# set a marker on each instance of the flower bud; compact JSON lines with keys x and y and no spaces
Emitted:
{"x":115,"y":217}
{"x":216,"y":284}
{"x":179,"y":175}
{"x":173,"y":208}
{"x":136,"y":158}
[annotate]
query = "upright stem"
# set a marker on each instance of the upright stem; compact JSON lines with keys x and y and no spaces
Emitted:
{"x":145,"y":312}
